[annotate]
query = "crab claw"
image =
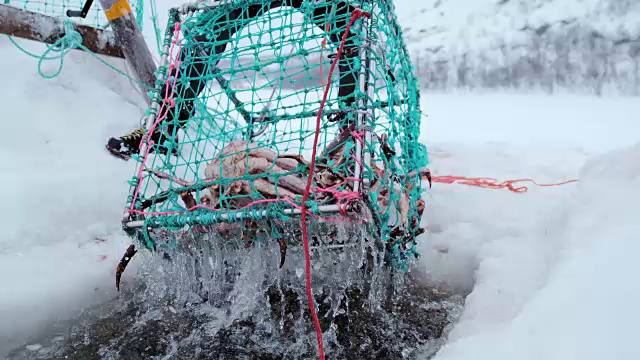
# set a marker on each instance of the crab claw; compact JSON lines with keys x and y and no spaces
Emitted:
{"x":283,"y":251}
{"x":420,"y":205}
{"x":188,"y":199}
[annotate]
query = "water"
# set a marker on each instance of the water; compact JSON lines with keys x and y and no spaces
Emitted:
{"x":207,"y":300}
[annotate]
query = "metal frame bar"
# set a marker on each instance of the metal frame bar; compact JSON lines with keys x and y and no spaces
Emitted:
{"x":196,"y":5}
{"x":362,"y":118}
{"x":368,"y":89}
{"x":203,"y":5}
{"x":233,"y":216}
{"x":155,"y":105}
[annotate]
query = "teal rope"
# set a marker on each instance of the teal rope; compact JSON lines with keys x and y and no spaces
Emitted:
{"x":156,"y":27}
{"x":71,"y":40}
{"x":67,"y":43}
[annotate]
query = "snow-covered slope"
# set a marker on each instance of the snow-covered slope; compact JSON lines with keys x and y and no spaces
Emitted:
{"x":459,"y":24}
{"x":561,"y":45}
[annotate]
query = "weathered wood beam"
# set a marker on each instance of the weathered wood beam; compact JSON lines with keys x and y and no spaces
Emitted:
{"x":46,"y":29}
{"x":135,"y":48}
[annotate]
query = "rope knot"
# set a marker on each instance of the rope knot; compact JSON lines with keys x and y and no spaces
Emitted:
{"x":69,"y":41}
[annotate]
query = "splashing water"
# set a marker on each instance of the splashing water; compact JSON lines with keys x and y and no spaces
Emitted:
{"x":213,"y":299}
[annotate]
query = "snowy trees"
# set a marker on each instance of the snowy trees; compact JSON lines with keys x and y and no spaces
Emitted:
{"x":569,"y":58}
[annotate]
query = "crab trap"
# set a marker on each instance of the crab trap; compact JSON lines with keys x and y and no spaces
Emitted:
{"x":244,"y":91}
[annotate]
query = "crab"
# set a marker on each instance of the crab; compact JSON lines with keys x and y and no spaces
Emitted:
{"x":381,"y":187}
{"x":244,"y":172}
{"x":253,"y":169}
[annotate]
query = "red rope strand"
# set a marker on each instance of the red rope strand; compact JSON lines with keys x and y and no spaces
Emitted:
{"x":305,"y":236}
{"x":492,"y":183}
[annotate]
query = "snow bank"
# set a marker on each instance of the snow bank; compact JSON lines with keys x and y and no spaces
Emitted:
{"x":553,"y":270}
{"x":551,"y":46}
{"x":63,"y":194}
{"x":587,"y":123}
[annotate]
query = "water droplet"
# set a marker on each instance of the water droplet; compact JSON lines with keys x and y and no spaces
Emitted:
{"x":34,"y":347}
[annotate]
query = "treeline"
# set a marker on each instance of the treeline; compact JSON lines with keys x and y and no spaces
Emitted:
{"x":567,"y":59}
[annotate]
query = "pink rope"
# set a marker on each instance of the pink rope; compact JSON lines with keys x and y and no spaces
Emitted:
{"x":358,"y":136}
{"x":343,"y":197}
{"x":358,"y":161}
{"x":146,"y":138}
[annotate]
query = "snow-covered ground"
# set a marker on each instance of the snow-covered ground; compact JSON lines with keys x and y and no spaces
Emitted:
{"x":63,"y":194}
{"x":551,"y":271}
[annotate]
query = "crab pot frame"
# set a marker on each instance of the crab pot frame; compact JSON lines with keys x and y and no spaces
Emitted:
{"x":376,"y":129}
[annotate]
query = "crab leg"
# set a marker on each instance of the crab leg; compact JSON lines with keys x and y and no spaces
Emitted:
{"x":291,"y":182}
{"x":239,"y":191}
{"x":122,"y":265}
{"x":286,"y":162}
{"x":269,"y":190}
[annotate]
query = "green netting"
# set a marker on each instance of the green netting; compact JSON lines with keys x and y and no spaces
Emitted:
{"x":235,"y":109}
{"x":58,"y":8}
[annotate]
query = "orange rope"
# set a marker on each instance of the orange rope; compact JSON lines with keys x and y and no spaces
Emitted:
{"x":492,"y":183}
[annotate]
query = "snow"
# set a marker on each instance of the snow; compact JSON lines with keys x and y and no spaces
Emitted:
{"x":62,"y":192}
{"x":569,"y":121}
{"x":576,"y":46}
{"x":550,"y":272}
{"x":562,"y":287}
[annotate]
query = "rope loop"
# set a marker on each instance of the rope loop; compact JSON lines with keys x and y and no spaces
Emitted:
{"x":69,"y":41}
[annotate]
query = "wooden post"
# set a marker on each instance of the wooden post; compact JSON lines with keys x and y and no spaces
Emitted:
{"x":46,"y":29}
{"x":135,"y":49}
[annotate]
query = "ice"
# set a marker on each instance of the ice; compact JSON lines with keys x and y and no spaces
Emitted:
{"x":34,"y":347}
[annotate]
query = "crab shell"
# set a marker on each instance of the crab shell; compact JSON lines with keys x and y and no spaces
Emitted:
{"x":239,"y":160}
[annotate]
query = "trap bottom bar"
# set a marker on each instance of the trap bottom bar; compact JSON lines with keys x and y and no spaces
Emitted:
{"x":239,"y":214}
